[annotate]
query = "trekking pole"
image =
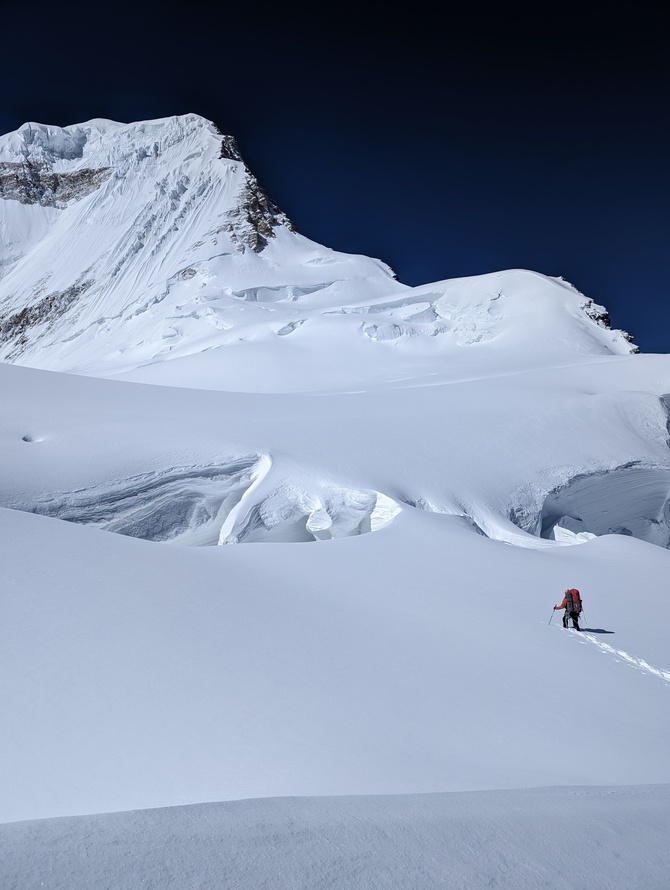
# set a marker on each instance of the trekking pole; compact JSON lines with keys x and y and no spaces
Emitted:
{"x":552,"y":615}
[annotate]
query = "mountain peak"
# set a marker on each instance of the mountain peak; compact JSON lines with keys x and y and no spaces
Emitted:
{"x":103,"y":219}
{"x":129,"y":244}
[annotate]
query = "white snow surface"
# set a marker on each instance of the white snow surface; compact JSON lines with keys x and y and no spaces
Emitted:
{"x":305,"y":540}
{"x":577,"y":838}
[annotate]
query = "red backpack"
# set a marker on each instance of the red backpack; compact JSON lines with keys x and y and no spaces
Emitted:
{"x":573,"y":601}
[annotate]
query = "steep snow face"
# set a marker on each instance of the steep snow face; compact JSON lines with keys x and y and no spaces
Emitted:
{"x":108,"y":229}
{"x":150,"y":251}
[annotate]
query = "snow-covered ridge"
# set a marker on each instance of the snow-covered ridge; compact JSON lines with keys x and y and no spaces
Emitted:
{"x":100,"y":142}
{"x":150,"y":251}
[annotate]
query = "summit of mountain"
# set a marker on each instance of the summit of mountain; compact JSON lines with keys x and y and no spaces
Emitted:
{"x":149,"y":251}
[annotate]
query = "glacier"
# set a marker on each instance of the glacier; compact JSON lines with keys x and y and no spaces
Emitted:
{"x":282,"y":532}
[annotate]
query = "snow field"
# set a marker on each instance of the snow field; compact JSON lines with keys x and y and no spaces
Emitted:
{"x":579,"y":838}
{"x":331,"y":668}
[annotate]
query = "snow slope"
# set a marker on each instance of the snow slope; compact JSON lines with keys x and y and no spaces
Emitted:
{"x":579,"y":838}
{"x":416,"y":657}
{"x":306,"y":537}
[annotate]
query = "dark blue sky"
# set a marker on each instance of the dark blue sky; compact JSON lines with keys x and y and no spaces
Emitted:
{"x":444,"y":148}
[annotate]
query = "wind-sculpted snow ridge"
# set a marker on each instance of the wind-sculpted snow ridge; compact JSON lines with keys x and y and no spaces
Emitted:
{"x":209,"y":505}
{"x":185,"y":504}
{"x":632,"y":499}
{"x":225,"y":504}
{"x":292,"y":514}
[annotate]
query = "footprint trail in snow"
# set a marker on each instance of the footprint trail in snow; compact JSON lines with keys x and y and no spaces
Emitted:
{"x":619,"y":654}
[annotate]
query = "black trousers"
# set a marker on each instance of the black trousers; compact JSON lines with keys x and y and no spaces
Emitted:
{"x":575,"y":619}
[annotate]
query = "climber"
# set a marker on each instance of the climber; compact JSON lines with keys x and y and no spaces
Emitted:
{"x":572,"y":603}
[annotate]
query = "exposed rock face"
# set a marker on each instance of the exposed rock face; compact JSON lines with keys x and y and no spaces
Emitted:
{"x":602,"y":317}
{"x":230,"y":150}
{"x":35,"y":183}
{"x":17,"y":325}
{"x":252,"y":223}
